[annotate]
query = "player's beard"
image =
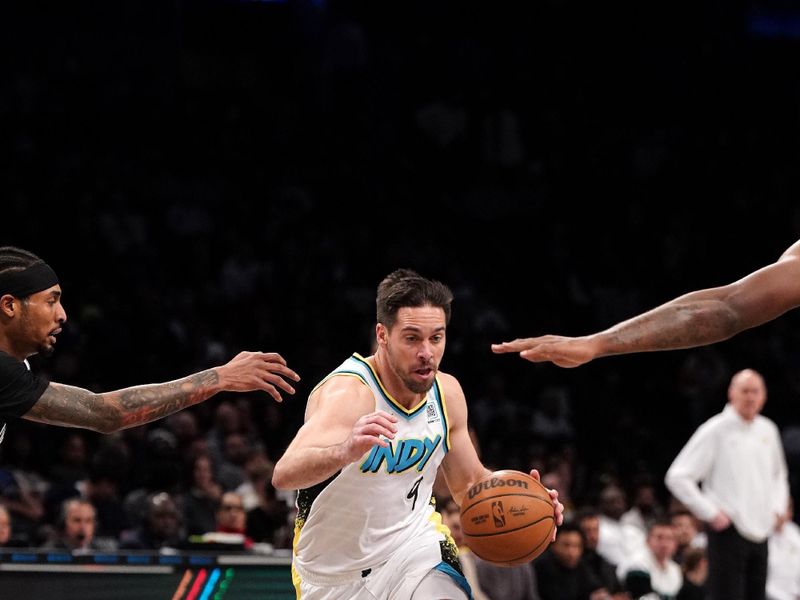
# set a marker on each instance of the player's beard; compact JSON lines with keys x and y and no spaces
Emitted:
{"x":418,"y":387}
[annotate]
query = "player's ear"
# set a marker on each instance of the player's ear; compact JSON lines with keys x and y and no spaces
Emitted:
{"x":381,"y":334}
{"x":7,"y":305}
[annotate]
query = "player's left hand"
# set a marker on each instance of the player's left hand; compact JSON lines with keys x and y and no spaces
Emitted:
{"x":559,"y":508}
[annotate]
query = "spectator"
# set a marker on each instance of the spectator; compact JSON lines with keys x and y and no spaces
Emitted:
{"x":75,"y":527}
{"x":232,"y":519}
{"x":5,"y":526}
{"x":589,"y":522}
{"x":617,"y":540}
{"x":687,"y":532}
{"x":645,"y":508}
{"x":451,"y":518}
{"x":269,"y":520}
{"x":201,"y":500}
{"x":656,"y":561}
{"x":738,"y":458}
{"x":161,"y":529}
{"x":560,"y":572}
{"x":783,"y":573}
{"x":695,"y":571}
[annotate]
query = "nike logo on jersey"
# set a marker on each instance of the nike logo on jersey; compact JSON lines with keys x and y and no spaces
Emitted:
{"x":409,"y":453}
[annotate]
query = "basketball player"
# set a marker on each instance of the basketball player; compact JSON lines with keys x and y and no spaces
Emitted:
{"x":694,"y":319}
{"x":376,"y":430}
{"x":31,"y":317}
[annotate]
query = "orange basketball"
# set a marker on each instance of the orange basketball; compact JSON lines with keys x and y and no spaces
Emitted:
{"x":507,"y":518}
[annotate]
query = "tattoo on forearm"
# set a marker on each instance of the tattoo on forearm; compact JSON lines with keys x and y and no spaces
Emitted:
{"x":669,"y":327}
{"x":148,"y":403}
{"x":77,"y":407}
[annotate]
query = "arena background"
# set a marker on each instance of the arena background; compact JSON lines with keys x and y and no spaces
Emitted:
{"x":211,"y":176}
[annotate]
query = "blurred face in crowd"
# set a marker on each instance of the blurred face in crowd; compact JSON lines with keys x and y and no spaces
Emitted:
{"x":662,"y":542}
{"x":568,"y":548}
{"x":231,"y":514}
{"x":163,"y":517}
{"x":79,"y":524}
{"x":414,"y":345}
{"x":685,"y":528}
{"x":5,"y":526}
{"x":451,"y":517}
{"x":612,"y":502}
{"x":202,"y":473}
{"x":591,"y":530}
{"x":747,"y":394}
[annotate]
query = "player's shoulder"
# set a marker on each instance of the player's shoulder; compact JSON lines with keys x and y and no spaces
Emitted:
{"x":342,"y":383}
{"x":792,"y":252}
{"x":448,"y":382}
{"x":340,"y":395}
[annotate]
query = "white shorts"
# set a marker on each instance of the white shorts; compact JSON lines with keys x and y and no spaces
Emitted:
{"x":402,"y":577}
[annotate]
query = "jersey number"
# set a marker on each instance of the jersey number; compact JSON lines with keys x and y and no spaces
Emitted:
{"x":414,"y":492}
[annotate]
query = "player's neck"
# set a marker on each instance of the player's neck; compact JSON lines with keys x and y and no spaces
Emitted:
{"x":393,"y":384}
{"x":7,"y":346}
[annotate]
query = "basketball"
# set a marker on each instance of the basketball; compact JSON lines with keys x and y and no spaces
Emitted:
{"x":507,"y":518}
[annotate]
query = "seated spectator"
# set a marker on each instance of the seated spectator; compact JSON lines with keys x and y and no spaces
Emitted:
{"x":655,"y":560}
{"x":645,"y":508}
{"x":695,"y":572}
{"x":783,"y":560}
{"x":75,"y":527}
{"x":5,"y":526}
{"x":560,"y":572}
{"x":268,"y":522}
{"x":589,"y":522}
{"x":232,"y":519}
{"x":201,"y":500}
{"x":451,"y":518}
{"x":687,"y":533}
{"x":161,"y":529}
{"x":617,"y":539}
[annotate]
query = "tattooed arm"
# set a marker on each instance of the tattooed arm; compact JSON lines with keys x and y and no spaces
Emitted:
{"x":695,"y":319}
{"x":111,"y":411}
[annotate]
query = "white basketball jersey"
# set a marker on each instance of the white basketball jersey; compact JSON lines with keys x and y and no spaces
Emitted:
{"x":357,"y":519}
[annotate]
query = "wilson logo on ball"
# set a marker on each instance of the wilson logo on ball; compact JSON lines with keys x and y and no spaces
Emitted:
{"x":495,"y":483}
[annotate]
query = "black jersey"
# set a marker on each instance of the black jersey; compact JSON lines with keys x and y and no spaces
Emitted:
{"x":19,"y":389}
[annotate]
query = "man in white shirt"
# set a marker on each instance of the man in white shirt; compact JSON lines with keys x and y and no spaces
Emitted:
{"x":738,"y":457}
{"x":655,"y":559}
{"x":783,"y":575}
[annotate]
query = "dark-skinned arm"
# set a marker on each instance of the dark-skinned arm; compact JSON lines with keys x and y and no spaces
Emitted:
{"x":107,"y":412}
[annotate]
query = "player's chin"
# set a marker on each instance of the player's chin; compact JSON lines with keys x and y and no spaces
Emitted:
{"x":46,"y":349}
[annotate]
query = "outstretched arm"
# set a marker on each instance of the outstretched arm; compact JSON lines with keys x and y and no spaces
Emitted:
{"x":695,"y":319}
{"x":111,"y":411}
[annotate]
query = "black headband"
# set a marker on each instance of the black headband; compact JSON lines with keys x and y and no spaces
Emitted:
{"x":35,"y":278}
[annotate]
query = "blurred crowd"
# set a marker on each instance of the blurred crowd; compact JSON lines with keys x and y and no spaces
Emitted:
{"x":241,"y":175}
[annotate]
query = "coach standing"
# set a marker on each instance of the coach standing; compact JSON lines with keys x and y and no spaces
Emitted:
{"x":738,"y":457}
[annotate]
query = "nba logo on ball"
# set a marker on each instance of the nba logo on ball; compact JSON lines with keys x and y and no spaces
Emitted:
{"x":507,"y":518}
{"x":497,"y":513}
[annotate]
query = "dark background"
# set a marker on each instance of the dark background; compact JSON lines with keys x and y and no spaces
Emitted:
{"x":211,"y":176}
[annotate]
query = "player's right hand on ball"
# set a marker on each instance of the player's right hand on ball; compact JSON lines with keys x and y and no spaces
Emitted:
{"x":367,"y":433}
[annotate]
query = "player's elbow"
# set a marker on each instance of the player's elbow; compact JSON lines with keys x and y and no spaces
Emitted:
{"x":281,"y":478}
{"x":675,"y":481}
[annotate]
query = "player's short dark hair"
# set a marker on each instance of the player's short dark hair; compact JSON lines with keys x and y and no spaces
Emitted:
{"x":405,"y":288}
